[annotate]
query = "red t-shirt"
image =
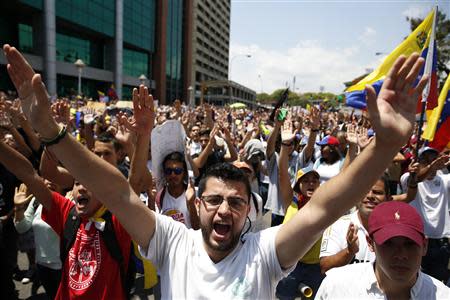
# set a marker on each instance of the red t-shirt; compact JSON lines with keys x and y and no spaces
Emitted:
{"x":89,"y":271}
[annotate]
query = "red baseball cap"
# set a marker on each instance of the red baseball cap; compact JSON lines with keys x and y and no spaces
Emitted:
{"x":395,"y":218}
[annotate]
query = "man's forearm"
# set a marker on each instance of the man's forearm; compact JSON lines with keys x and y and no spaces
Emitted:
{"x":200,"y":161}
{"x":109,"y":186}
{"x":284,"y":179}
{"x":342,"y":258}
{"x":139,"y":161}
{"x":17,"y":164}
{"x":272,"y":140}
{"x":332,"y":199}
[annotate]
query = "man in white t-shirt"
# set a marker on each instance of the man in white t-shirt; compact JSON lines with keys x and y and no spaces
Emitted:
{"x":345,"y":242}
{"x":432,"y":204}
{"x":217,"y":262}
{"x":396,"y":236}
{"x":173,"y":200}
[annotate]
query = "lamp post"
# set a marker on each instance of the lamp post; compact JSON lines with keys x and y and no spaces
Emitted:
{"x":229,"y":73}
{"x":260,"y":80}
{"x":143,"y":79}
{"x":191,"y":93}
{"x":80,"y":65}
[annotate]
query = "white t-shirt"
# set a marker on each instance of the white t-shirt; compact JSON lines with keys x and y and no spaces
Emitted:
{"x":176,"y":208}
{"x":335,"y":239}
{"x":358,"y":281}
{"x":327,"y":171}
{"x":250,"y":271}
{"x":432,"y":204}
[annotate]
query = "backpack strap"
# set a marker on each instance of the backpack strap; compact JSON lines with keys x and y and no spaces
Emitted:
{"x":70,"y":231}
{"x":160,"y":197}
{"x":255,"y":202}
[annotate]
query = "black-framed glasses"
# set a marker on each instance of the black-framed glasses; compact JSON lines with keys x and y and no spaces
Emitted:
{"x":235,"y":203}
{"x":177,"y":171}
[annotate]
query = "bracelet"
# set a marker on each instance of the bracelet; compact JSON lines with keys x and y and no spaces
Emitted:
{"x":61,"y":134}
{"x":286,"y":144}
{"x":413,"y":186}
{"x":315,"y":130}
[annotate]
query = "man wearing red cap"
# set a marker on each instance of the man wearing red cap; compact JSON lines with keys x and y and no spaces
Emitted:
{"x":397,"y":237}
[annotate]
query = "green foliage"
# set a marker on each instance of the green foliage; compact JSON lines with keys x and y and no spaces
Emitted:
{"x":294,"y":99}
{"x":442,"y":41}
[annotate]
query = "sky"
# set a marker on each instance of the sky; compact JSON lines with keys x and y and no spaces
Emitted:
{"x":320,"y":43}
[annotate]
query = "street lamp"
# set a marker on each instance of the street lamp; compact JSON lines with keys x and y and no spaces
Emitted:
{"x":260,"y":80}
{"x":143,"y":79}
{"x":191,"y":93}
{"x":80,"y":65}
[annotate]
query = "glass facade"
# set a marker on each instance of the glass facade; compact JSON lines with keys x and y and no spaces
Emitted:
{"x":139,"y":23}
{"x":70,"y":48}
{"x":34,"y":3}
{"x":98,"y":15}
{"x":25,"y":38}
{"x":174,"y":50}
{"x":127,"y":91}
{"x":135,"y":63}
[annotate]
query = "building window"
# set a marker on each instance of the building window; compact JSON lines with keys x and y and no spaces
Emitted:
{"x":69,"y":49}
{"x":135,"y":63}
{"x":98,"y":15}
{"x":139,"y":23}
{"x":25,"y":38}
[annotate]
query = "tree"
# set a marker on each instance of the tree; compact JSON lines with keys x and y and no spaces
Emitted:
{"x":442,"y":42}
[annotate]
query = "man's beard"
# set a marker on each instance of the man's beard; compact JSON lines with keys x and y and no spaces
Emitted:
{"x":223,"y":246}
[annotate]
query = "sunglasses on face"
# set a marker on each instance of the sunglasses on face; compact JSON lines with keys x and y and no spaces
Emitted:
{"x":177,"y":171}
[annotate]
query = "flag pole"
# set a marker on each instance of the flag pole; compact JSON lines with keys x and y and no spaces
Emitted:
{"x":426,"y":91}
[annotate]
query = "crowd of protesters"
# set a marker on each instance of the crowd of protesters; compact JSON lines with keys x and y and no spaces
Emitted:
{"x":307,"y":193}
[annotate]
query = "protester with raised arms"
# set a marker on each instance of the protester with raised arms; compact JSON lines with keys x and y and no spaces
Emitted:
{"x":213,"y":262}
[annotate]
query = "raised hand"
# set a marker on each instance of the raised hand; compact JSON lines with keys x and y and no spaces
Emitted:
{"x":20,"y":195}
{"x":314,"y":118}
{"x":88,"y":116}
{"x":61,"y":112}
{"x":144,"y":112}
{"x":21,"y":74}
{"x":32,"y":93}
{"x":287,"y":134}
{"x":363,"y":138}
{"x":352,"y":239}
{"x":392,"y":113}
{"x":351,"y":135}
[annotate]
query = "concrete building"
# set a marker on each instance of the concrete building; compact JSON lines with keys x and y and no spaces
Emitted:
{"x":171,"y":45}
{"x":118,"y":41}
{"x":210,"y":56}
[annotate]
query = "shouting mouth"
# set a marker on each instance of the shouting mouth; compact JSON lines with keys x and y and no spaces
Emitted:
{"x":82,"y":201}
{"x":221,"y":230}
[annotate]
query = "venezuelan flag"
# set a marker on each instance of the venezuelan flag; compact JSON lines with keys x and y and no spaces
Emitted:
{"x":437,"y":131}
{"x":418,"y":41}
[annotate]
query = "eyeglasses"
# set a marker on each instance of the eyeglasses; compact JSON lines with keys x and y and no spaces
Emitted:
{"x":177,"y":171}
{"x":214,"y":201}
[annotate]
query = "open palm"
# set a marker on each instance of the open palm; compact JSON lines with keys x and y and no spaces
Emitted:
{"x":144,"y":113}
{"x":392,"y":113}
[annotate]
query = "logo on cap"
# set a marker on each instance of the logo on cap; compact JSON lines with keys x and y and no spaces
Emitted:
{"x":397,"y":215}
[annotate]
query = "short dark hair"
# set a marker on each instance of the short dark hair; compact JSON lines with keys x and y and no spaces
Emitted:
{"x":175,"y":156}
{"x":106,"y":137}
{"x":204,"y":132}
{"x":226,"y":172}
